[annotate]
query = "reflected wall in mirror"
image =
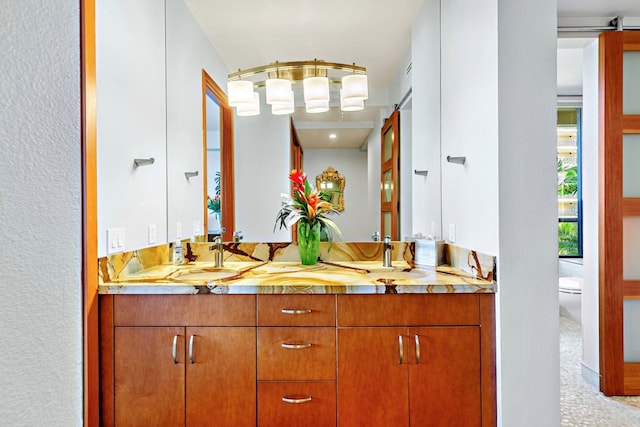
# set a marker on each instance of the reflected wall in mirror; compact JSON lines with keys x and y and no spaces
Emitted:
{"x":218,"y":160}
{"x":332,"y":182}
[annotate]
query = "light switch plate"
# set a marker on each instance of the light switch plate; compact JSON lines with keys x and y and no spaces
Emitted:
{"x":197,"y":227}
{"x":452,"y":233}
{"x":178,"y":230}
{"x":152,"y":234}
{"x":115,"y":240}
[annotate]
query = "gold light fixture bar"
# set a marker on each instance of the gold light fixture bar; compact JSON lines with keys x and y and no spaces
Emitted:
{"x":297,"y":70}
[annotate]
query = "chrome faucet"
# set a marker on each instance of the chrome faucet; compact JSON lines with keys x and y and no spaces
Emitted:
{"x":388,"y":247}
{"x":219,"y":252}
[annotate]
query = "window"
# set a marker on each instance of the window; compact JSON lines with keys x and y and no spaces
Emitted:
{"x":569,"y":183}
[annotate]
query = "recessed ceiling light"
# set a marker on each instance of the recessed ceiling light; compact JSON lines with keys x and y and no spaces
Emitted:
{"x":333,"y":136}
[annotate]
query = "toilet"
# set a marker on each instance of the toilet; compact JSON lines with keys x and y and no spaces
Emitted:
{"x":570,"y":297}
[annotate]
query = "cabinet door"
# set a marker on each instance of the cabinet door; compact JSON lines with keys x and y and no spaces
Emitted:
{"x":372,"y":382}
{"x":149,"y":383}
{"x":444,"y":382}
{"x":221,"y":376}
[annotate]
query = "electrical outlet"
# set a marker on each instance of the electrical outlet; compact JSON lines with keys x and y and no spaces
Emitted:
{"x":197,"y":227}
{"x":115,"y":240}
{"x":152,"y":234}
{"x":452,"y":233}
{"x":432,"y":233}
{"x":178,"y":230}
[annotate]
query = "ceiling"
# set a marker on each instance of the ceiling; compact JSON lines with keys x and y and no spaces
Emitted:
{"x":375,"y":34}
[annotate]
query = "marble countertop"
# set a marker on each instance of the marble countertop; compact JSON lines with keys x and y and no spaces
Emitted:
{"x":273,"y":277}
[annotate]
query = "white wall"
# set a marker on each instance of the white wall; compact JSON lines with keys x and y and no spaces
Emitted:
{"x":356,"y":222}
{"x":527,"y":315}
{"x":469,"y":122}
{"x":131,"y":120}
{"x":590,"y":318}
{"x":491,"y":68}
{"x":41,"y":215}
{"x":184,"y":114}
{"x":262,"y":165}
{"x":425,"y":52}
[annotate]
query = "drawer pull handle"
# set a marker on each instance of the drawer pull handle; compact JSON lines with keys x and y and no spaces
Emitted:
{"x":296,"y":310}
{"x":173,"y":349}
{"x":191,"y":338}
{"x":417,"y":337}
{"x":296,"y":346}
{"x":296,"y":399}
{"x":400,"y":350}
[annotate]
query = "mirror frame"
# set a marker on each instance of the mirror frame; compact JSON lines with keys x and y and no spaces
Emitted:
{"x":227,"y":198}
{"x":330,"y":174}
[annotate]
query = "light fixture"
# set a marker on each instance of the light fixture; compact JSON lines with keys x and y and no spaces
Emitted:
{"x":332,"y":136}
{"x":240,"y":92}
{"x":281,"y":108}
{"x":317,"y":106}
{"x":278,"y":91}
{"x":316,"y":89}
{"x":252,"y":109}
{"x":350,"y":104}
{"x":317,"y":77}
{"x":355,"y":87}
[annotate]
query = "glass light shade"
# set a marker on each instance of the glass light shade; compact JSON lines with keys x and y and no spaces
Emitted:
{"x":350,"y":104}
{"x":252,"y":109}
{"x":282,"y":108}
{"x":354,"y":86}
{"x":240,"y":92}
{"x":317,"y":106}
{"x":278,"y":91}
{"x":316,"y":89}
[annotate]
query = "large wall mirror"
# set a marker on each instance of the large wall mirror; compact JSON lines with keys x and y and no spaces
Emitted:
{"x":161,"y":65}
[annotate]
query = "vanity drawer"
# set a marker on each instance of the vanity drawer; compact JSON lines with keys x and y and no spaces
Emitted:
{"x":296,"y":353}
{"x":184,"y":310}
{"x":296,"y":310}
{"x":408,"y":310}
{"x":309,"y":404}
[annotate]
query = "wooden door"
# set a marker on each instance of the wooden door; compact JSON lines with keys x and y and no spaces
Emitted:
{"x":297,"y":163}
{"x":149,"y":383}
{"x":372,"y":381}
{"x":221,"y":376}
{"x":444,"y":376}
{"x":619,"y":212}
{"x":390,"y":177}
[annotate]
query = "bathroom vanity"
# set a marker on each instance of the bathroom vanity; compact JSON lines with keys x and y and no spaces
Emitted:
{"x":346,"y":342}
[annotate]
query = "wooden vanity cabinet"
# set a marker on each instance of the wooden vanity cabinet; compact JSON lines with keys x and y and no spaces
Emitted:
{"x":178,"y":360}
{"x":415,"y":360}
{"x":296,"y":360}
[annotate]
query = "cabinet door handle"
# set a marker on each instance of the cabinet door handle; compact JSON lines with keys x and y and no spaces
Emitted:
{"x":417,"y":338}
{"x":191,"y":349}
{"x":296,"y":399}
{"x":295,"y":346}
{"x":400,"y":350}
{"x":296,"y":310}
{"x":174,"y":347}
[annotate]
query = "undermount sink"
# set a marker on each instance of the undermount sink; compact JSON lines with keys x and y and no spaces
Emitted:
{"x":395,"y":275}
{"x":207,"y":274}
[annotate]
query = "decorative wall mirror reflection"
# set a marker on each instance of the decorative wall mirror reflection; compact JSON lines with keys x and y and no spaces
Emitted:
{"x":332,"y":182}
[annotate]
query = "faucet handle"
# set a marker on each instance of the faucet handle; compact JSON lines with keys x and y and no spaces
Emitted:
{"x":237,"y":236}
{"x":387,"y":239}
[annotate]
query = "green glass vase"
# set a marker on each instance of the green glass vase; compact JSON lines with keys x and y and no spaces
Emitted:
{"x":308,"y":242}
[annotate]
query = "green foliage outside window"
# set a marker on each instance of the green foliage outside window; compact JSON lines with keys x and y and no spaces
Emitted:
{"x":568,"y":238}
